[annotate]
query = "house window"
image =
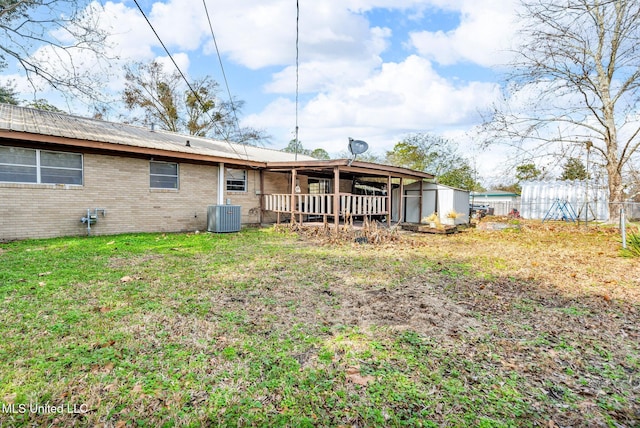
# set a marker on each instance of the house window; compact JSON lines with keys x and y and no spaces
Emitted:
{"x":21,"y":165}
{"x":236,"y":180}
{"x":163,"y":175}
{"x":319,"y":186}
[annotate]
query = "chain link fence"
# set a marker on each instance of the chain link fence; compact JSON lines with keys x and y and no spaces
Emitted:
{"x":578,"y":209}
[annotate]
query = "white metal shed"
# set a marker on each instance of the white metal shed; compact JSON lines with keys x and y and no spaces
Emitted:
{"x":435,"y":198}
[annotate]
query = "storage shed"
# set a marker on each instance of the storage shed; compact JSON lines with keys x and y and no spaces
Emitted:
{"x":435,"y":198}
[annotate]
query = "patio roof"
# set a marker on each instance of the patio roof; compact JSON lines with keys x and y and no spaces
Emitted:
{"x":347,"y":166}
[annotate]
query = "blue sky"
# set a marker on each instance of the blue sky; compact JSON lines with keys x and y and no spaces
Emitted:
{"x":373,"y":70}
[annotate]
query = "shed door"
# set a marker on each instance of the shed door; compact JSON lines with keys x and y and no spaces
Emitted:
{"x":412,"y":201}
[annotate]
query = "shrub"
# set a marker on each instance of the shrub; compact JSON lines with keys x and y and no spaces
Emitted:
{"x":633,"y":245}
{"x":453,"y":214}
{"x":433,"y":218}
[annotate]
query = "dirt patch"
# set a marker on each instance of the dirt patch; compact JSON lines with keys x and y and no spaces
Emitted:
{"x":413,"y":306}
{"x":121,"y":262}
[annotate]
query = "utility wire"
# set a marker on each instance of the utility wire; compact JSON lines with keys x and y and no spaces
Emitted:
{"x":183,"y":76}
{"x":297,"y":71}
{"x":224,"y":76}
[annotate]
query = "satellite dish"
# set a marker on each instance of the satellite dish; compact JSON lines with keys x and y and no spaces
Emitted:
{"x":357,"y":147}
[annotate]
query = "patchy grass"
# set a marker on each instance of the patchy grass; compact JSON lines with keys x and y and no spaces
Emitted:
{"x":266,"y":327}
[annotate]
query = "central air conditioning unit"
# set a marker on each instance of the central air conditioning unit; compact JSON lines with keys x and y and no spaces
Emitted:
{"x":223,"y":218}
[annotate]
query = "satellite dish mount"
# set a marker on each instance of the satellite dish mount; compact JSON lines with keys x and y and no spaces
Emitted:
{"x":356,"y":147}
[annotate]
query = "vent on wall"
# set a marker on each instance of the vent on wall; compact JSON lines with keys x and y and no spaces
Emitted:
{"x":223,"y":218}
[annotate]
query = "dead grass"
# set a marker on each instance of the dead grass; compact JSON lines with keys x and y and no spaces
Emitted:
{"x":555,"y":302}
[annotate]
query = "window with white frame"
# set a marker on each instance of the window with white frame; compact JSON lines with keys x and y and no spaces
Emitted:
{"x":22,"y":165}
{"x":236,"y":180}
{"x":163,"y":175}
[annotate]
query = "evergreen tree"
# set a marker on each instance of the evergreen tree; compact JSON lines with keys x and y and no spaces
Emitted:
{"x":574,"y":169}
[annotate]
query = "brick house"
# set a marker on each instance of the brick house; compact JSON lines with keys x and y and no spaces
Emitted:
{"x":54,"y":167}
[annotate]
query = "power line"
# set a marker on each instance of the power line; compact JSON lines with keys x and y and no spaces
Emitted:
{"x":224,"y":76}
{"x":297,"y":70}
{"x":184,"y":77}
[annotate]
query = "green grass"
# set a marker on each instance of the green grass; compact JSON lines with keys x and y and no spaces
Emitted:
{"x":253,"y":329}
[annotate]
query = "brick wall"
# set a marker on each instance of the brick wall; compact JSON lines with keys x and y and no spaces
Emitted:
{"x":120,"y":185}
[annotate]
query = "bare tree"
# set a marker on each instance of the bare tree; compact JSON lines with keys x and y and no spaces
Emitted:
{"x":578,"y":64}
{"x":57,"y":42}
{"x":167,"y":100}
{"x":155,"y":92}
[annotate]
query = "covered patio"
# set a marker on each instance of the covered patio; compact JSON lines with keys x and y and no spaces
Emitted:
{"x":339,"y":189}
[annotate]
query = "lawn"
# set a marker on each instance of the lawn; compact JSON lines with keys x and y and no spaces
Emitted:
{"x":532,"y":327}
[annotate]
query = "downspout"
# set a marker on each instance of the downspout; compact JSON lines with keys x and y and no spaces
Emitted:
{"x":221,"y":182}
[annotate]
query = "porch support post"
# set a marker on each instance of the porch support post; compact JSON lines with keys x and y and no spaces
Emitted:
{"x":336,"y":197}
{"x":260,"y":217}
{"x":293,"y":194}
{"x":389,"y":209}
{"x":420,"y":201}
{"x":401,"y":202}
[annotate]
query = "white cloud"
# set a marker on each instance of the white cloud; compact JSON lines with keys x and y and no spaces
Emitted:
{"x":259,"y":34}
{"x":129,"y":33}
{"x":400,"y":98}
{"x":254,"y":33}
{"x":180,"y":24}
{"x":181,"y":58}
{"x":483,"y":37}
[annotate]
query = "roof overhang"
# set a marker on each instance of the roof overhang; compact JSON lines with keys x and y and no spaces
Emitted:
{"x":123,"y":149}
{"x":349,"y":167}
{"x":327,"y":167}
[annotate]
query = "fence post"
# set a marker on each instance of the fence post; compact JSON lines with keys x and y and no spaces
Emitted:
{"x":623,"y":228}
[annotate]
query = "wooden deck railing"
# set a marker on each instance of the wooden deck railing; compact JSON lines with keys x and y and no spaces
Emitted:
{"x":308,"y":204}
{"x":362,"y":204}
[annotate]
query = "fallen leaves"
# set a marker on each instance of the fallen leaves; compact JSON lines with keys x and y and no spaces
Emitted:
{"x":40,"y":275}
{"x":354,"y":376}
{"x":104,"y":345}
{"x":10,"y":398}
{"x":99,"y":369}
